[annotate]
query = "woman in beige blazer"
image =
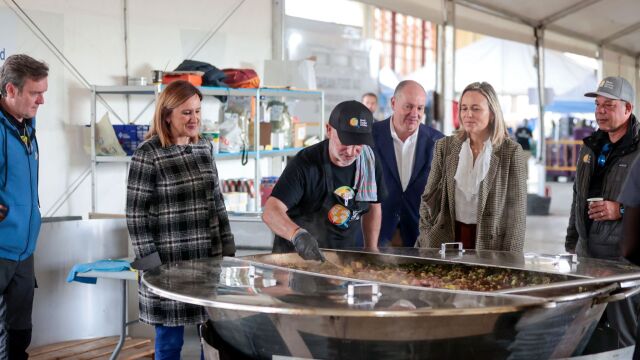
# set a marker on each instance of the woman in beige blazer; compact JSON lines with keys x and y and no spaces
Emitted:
{"x":477,"y":188}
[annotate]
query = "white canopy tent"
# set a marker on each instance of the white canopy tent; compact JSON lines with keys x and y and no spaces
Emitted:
{"x":509,"y":67}
{"x":608,"y":30}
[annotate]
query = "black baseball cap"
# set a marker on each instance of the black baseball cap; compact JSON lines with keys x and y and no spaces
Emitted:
{"x":352,"y":120}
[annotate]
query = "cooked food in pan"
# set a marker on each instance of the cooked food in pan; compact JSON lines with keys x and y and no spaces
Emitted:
{"x":445,"y":276}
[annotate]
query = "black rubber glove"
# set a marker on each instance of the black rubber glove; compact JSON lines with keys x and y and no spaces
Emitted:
{"x":307,"y":246}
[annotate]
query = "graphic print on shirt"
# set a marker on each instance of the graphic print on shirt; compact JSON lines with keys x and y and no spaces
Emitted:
{"x":341,"y":215}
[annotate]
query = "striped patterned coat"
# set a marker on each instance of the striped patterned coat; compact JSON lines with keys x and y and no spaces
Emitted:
{"x":175,"y":207}
{"x":501,"y":200}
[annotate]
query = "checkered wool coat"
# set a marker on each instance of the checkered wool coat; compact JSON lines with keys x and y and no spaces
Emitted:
{"x":175,"y":207}
{"x":502,"y":199}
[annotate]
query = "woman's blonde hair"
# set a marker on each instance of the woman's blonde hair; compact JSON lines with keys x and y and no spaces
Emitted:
{"x":174,"y":95}
{"x":497,"y":127}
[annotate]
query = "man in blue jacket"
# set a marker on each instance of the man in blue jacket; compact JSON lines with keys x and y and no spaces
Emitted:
{"x":23,"y":82}
{"x":404,"y":145}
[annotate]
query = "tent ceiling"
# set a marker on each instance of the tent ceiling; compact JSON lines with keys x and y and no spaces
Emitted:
{"x":612,"y":23}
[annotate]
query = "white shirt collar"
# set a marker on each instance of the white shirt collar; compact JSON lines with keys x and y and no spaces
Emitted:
{"x":394,"y":134}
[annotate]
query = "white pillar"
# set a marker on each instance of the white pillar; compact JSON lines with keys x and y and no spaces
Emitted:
{"x":540,"y":156}
{"x":277,"y":30}
{"x":446,"y":63}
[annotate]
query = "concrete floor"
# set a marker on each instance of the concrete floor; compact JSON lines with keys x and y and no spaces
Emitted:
{"x":544,"y":234}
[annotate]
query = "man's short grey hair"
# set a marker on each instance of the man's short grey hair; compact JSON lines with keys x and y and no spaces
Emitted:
{"x":20,"y":67}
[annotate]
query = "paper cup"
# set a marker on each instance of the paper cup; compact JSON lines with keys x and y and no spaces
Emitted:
{"x":595,"y":199}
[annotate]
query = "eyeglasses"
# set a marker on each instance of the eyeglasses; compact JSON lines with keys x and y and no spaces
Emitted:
{"x":604,"y":153}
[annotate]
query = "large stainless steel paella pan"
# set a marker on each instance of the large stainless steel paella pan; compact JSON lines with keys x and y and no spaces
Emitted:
{"x":281,"y":305}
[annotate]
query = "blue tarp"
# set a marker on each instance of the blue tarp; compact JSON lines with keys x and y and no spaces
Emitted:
{"x":572,"y":106}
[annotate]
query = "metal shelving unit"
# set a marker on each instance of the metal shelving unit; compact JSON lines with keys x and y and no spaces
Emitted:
{"x":154,"y":90}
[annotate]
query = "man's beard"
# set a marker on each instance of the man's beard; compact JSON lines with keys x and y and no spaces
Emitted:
{"x":616,"y":128}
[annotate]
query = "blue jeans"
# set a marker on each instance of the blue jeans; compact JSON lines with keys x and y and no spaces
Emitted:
{"x":169,"y":341}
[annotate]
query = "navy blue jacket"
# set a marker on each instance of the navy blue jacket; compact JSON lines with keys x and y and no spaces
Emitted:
{"x":401,"y":210}
{"x":18,"y":192}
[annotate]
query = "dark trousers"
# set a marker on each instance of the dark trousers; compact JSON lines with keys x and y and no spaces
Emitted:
{"x":17,"y":283}
{"x":623,"y":317}
{"x":169,"y":341}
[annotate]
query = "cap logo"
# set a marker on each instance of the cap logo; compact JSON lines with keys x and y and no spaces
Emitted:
{"x":606,"y":84}
{"x":353,"y":122}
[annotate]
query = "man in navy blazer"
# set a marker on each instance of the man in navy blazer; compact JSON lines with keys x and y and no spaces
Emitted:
{"x":404,"y":146}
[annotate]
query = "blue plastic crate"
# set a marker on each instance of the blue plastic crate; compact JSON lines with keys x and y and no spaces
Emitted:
{"x":130,"y":136}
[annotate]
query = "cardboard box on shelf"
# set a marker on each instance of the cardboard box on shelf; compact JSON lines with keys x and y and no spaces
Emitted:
{"x":299,"y":134}
{"x":265,"y":134}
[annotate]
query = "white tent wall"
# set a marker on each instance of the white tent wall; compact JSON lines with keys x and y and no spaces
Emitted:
{"x":90,"y":34}
{"x":616,"y":64}
{"x":563,"y":43}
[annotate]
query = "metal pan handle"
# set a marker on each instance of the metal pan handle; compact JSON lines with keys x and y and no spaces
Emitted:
{"x":599,"y":293}
{"x":445,"y":246}
{"x":363,"y":294}
{"x":619,"y":295}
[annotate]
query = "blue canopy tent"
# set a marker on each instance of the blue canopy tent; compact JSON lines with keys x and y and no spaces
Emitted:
{"x":571,"y":106}
{"x":574,"y":101}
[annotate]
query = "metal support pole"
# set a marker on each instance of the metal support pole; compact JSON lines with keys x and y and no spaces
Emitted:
{"x":637,"y":81}
{"x":600,"y":56}
{"x":93,"y":149}
{"x":277,"y":30}
{"x":448,"y":75}
{"x":440,"y":79}
{"x":539,"y":35}
{"x":256,"y":142}
{"x":123,"y":329}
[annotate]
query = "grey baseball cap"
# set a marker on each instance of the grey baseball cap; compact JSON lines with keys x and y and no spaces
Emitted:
{"x":614,"y":87}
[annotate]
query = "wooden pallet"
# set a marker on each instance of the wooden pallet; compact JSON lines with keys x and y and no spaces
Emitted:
{"x":99,"y":348}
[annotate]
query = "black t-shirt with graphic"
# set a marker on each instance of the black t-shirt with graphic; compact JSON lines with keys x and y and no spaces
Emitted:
{"x":303,"y":188}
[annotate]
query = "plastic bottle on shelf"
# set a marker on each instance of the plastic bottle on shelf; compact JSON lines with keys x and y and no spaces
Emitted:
{"x":211,"y":132}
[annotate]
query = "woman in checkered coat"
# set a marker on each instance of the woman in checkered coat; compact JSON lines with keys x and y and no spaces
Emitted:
{"x":477,"y":188}
{"x":175,"y":208}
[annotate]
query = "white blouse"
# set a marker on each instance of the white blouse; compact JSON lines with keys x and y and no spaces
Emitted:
{"x":468,"y":178}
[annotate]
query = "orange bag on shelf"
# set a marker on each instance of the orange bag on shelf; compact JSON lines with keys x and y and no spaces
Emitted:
{"x":241,"y":78}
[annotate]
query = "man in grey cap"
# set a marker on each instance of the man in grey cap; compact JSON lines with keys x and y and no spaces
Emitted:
{"x":595,"y":224}
{"x":328,"y":189}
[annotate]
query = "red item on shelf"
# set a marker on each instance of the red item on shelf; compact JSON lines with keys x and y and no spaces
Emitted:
{"x":194,"y":79}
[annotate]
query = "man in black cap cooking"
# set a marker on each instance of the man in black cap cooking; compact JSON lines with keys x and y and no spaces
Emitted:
{"x":329,"y":190}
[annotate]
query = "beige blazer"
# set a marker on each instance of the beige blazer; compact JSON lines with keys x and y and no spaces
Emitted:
{"x":501,"y":201}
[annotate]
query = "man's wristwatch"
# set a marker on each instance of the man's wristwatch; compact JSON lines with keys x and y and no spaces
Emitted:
{"x":621,"y":210}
